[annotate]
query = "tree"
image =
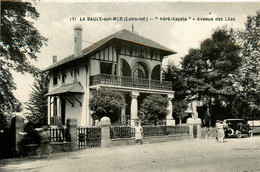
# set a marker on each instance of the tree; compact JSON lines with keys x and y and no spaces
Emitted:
{"x":38,"y":101}
{"x":209,"y":69}
{"x":20,"y":41}
{"x":246,"y":103}
{"x":153,"y":109}
{"x":175,"y":75}
{"x":106,"y":102}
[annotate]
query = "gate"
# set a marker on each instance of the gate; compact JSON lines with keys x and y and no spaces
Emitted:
{"x":88,"y":137}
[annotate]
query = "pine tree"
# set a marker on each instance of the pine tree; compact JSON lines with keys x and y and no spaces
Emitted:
{"x":37,"y":103}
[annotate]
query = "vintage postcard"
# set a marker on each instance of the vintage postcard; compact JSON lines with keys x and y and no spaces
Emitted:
{"x":133,"y":86}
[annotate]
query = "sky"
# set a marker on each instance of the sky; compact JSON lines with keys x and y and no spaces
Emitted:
{"x":176,"y":25}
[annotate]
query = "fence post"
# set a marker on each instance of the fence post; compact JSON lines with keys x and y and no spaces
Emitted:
{"x":105,"y":131}
{"x":190,"y":122}
{"x":198,"y":123}
{"x":17,"y":127}
{"x":73,"y":134}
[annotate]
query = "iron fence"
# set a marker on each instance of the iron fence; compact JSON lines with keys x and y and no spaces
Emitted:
{"x":121,"y":132}
{"x":58,"y":135}
{"x":88,"y":137}
{"x":164,"y":130}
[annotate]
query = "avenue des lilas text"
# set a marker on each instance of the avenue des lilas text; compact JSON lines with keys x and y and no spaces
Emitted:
{"x":174,"y":19}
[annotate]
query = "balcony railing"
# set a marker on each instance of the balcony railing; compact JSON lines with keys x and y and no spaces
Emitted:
{"x":129,"y":82}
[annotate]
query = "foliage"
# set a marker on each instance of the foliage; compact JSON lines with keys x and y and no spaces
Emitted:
{"x":209,"y":70}
{"x":38,"y":101}
{"x":20,"y":41}
{"x":247,"y":100}
{"x":32,"y":135}
{"x":106,"y":102}
{"x":179,"y":107}
{"x":5,"y":120}
{"x":179,"y":104}
{"x":7,"y":99}
{"x":153,"y":109}
{"x":174,"y":74}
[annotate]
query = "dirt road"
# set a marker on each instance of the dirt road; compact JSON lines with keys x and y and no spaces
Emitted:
{"x":194,"y":155}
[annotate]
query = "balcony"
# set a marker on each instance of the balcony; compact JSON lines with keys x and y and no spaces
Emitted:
{"x":124,"y":81}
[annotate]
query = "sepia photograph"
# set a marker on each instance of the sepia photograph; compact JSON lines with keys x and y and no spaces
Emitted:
{"x":129,"y":86}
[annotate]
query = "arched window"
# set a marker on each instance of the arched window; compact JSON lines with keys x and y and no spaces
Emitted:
{"x":126,"y":69}
{"x":140,"y":71}
{"x":156,"y":73}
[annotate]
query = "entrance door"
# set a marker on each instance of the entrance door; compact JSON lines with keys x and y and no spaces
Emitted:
{"x":63,"y":110}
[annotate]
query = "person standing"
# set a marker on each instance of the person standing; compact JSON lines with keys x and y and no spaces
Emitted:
{"x":221,"y":132}
{"x":45,"y":140}
{"x":138,"y":133}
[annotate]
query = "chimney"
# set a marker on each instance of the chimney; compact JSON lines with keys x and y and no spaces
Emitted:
{"x":77,"y":40}
{"x":54,"y":59}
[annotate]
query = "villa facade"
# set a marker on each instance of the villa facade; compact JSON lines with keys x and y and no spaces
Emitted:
{"x":124,"y":62}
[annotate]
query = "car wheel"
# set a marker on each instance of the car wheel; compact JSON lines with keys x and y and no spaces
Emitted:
{"x":239,"y":134}
{"x":250,"y":134}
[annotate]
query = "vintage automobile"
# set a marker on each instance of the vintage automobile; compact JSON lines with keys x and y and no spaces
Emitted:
{"x":237,"y":127}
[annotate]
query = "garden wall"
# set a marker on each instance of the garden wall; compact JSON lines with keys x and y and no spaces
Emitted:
{"x":149,"y":140}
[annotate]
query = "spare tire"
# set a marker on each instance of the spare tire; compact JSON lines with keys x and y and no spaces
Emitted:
{"x":230,"y":132}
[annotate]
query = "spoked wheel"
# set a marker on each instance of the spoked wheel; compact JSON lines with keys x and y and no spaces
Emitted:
{"x":239,"y":134}
{"x":250,"y":133}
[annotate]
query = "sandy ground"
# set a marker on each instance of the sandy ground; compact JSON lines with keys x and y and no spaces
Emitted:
{"x":193,"y":155}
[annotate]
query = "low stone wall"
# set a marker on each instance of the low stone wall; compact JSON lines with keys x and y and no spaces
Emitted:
{"x":60,"y":146}
{"x":122,"y":142}
{"x":208,"y":132}
{"x":162,"y":139}
{"x":149,"y":140}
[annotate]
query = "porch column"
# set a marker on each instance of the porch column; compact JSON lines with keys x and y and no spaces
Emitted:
{"x":83,"y":121}
{"x":161,"y":72}
{"x":123,"y":118}
{"x":169,"y":120}
{"x":49,"y":110}
{"x":59,"y":108}
{"x":134,"y":107}
{"x":52,"y":106}
{"x":118,"y":70}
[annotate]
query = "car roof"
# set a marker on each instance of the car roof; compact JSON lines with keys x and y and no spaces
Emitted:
{"x":234,"y":120}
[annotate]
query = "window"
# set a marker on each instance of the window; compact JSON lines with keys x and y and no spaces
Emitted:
{"x":105,"y":68}
{"x":55,"y":79}
{"x":139,"y":71}
{"x":156,"y":73}
{"x":63,"y":77}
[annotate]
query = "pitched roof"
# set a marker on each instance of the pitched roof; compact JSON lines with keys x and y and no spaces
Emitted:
{"x":70,"y":88}
{"x":121,"y":35}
